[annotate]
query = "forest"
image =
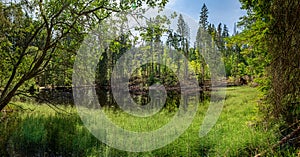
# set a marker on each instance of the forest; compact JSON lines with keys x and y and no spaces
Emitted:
{"x":136,"y":78}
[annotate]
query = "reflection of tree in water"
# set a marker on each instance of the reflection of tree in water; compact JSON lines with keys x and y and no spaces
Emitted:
{"x":173,"y":101}
{"x":139,"y":86}
{"x":105,"y":98}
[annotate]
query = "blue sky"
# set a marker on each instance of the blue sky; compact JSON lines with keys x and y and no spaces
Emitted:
{"x":224,"y":11}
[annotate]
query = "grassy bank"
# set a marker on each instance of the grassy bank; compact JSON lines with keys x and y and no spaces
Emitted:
{"x":39,"y":129}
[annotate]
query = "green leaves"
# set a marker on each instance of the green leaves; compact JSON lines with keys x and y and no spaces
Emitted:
{"x":35,"y":33}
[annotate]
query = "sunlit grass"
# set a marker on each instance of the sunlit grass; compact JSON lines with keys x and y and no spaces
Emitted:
{"x":236,"y":132}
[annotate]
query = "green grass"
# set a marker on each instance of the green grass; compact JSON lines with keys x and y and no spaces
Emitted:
{"x":236,"y":132}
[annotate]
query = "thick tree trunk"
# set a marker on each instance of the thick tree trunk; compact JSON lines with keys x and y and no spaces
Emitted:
{"x":3,"y":105}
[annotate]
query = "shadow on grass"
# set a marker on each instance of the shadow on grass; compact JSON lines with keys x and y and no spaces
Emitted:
{"x":54,"y":135}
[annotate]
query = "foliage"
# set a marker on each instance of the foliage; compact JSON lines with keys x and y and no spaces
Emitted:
{"x":273,"y":31}
{"x":35,"y":34}
{"x":283,"y":46}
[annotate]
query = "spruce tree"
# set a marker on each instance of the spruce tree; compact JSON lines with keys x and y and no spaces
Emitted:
{"x":203,"y":28}
{"x":203,"y":22}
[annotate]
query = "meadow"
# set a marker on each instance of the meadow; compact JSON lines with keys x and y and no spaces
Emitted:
{"x":38,"y":130}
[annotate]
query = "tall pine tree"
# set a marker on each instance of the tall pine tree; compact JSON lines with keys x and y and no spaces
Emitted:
{"x":203,"y":28}
{"x":203,"y":22}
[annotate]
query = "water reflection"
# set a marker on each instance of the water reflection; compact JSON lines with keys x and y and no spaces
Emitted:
{"x":173,"y":100}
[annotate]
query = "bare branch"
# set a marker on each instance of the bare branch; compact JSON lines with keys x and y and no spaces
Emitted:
{"x":95,"y":9}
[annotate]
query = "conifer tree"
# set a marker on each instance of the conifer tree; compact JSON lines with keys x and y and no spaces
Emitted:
{"x":203,"y":22}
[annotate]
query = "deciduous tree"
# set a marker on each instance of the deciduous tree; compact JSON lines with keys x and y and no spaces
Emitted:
{"x":33,"y":32}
